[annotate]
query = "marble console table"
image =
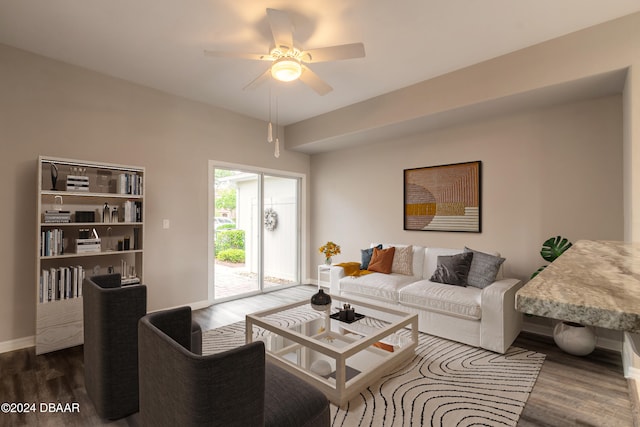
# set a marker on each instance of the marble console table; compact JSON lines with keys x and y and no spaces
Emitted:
{"x":593,"y":283}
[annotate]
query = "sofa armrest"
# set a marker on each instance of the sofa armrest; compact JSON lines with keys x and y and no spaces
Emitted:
{"x":335,"y":274}
{"x":500,"y":323}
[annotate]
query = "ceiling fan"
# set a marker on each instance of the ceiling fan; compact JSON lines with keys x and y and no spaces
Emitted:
{"x":288,"y":62}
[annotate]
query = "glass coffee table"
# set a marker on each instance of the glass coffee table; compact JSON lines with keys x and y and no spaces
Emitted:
{"x":338,"y":357}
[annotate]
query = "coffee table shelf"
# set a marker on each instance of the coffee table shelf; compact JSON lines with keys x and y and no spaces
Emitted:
{"x":338,"y":358}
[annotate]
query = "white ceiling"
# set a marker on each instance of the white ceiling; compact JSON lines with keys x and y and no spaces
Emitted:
{"x":160,"y":43}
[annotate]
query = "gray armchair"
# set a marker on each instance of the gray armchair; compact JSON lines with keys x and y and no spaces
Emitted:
{"x":111,"y":315}
{"x":233,"y":388}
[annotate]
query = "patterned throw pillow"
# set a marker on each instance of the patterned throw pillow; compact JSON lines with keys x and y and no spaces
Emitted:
{"x":381,"y":260}
{"x":403,"y":260}
{"x":453,"y":269}
{"x":484,"y":268}
{"x":366,"y":256}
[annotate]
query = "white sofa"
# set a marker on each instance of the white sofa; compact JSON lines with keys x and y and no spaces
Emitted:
{"x":484,"y":318}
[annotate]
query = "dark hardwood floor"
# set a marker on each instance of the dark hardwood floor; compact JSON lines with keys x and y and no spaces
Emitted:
{"x":576,"y":391}
{"x":570,"y":391}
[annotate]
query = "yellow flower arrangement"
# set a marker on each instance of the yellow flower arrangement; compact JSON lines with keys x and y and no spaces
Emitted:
{"x":329,"y":250}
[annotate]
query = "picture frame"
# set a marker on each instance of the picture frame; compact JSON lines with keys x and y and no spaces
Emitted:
{"x":443,"y":198}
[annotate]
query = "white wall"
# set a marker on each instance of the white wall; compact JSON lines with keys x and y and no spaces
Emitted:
{"x":56,"y":109}
{"x":545,"y":172}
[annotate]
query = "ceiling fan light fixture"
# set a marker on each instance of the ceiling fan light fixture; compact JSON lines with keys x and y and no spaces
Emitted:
{"x":286,"y":69}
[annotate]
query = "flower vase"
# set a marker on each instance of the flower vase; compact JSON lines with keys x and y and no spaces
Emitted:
{"x":327,"y":260}
{"x":321,"y":301}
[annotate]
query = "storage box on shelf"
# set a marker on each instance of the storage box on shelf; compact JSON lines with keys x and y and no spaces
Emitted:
{"x":89,"y":221}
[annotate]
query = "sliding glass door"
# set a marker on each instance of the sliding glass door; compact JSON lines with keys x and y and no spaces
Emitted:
{"x":256,"y":232}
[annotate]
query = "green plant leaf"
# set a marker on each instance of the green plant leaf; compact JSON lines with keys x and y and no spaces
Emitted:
{"x":554,"y":247}
{"x":538,"y":271}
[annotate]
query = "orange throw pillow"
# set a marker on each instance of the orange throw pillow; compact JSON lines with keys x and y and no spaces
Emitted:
{"x":382,"y":260}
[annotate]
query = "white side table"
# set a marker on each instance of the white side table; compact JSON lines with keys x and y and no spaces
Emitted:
{"x":324,"y":276}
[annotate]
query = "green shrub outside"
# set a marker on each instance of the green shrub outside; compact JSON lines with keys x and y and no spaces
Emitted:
{"x":231,"y":255}
{"x":229,"y":239}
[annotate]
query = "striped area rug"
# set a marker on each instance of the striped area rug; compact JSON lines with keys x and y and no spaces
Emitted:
{"x":445,"y":384}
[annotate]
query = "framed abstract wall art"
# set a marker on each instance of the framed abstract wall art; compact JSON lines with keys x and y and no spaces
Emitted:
{"x":443,"y":198}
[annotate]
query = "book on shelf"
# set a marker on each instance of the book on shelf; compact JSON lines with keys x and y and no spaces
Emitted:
{"x":132,"y":211}
{"x":136,"y":239}
{"x":91,"y":245}
{"x":130,"y":183}
{"x":52,"y":242}
{"x":77,"y":183}
{"x":130,"y":281}
{"x":52,"y":217}
{"x":60,"y":283}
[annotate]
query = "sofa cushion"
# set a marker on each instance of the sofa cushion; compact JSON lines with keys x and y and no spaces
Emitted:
{"x":454,"y":300}
{"x":381,"y":260}
{"x":453,"y":269}
{"x":365,"y":256}
{"x":403,"y":260}
{"x":484,"y":268}
{"x":418,"y":258}
{"x":431,"y":259}
{"x":376,"y":285}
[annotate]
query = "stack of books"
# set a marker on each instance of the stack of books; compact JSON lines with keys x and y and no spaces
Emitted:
{"x":77,"y":183}
{"x":52,"y":217}
{"x":86,"y":246}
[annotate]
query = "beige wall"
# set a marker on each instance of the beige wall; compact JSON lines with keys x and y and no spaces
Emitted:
{"x":588,"y":56}
{"x":631,"y":109}
{"x":51,"y":108}
{"x":545,"y":172}
{"x":55,"y":109}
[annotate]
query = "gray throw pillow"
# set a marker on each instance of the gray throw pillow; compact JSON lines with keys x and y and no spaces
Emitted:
{"x":366,"y":257}
{"x":484,"y":268}
{"x":453,"y":269}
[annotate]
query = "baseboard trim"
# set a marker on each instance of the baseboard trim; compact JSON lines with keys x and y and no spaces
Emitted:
{"x":194,"y":306}
{"x":604,"y":343}
{"x":17,"y":344}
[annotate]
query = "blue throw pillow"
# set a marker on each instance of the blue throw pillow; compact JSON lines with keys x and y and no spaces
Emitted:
{"x":366,"y":257}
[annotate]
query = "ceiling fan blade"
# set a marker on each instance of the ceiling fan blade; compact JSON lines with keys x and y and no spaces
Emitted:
{"x":239,"y":55}
{"x":334,"y":53}
{"x":281,"y":27}
{"x":312,"y":80}
{"x":259,"y":80}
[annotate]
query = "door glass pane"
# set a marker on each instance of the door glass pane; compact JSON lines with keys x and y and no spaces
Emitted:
{"x":236,"y":239}
{"x":281,"y":244}
{"x":256,"y":233}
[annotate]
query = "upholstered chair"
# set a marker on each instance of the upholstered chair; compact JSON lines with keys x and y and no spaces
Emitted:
{"x":111,"y":315}
{"x":232,"y":388}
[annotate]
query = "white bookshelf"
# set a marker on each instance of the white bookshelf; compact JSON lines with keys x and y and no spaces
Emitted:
{"x":59,"y":317}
